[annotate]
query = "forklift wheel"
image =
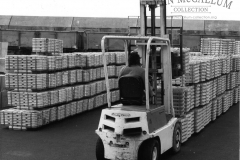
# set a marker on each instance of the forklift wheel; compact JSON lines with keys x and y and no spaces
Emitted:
{"x":177,"y":138}
{"x":100,"y":150}
{"x":149,"y":150}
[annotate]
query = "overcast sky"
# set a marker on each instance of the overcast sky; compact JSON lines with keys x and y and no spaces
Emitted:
{"x":108,"y":8}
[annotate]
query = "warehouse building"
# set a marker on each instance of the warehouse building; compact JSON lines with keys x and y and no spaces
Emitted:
{"x":86,"y":33}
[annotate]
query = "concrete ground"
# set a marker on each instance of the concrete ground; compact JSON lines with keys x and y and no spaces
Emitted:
{"x":74,"y":139}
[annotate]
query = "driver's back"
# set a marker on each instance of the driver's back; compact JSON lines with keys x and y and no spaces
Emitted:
{"x":133,"y":71}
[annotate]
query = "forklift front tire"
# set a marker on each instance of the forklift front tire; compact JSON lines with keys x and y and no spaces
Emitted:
{"x":149,"y":150}
{"x":100,"y":150}
{"x":177,"y":138}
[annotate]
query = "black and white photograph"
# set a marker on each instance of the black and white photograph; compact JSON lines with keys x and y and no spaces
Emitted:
{"x":119,"y":79}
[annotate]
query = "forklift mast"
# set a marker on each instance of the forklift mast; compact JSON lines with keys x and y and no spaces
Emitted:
{"x":143,"y":30}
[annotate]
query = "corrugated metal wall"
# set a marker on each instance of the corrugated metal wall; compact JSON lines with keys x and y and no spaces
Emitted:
{"x":78,"y":23}
{"x":95,"y":28}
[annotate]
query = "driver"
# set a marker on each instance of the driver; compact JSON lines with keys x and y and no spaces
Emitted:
{"x":134,"y":69}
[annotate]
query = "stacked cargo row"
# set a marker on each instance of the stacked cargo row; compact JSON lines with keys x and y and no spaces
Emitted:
{"x":207,"y":100}
{"x":44,"y":89}
{"x":212,"y":87}
{"x":217,"y":46}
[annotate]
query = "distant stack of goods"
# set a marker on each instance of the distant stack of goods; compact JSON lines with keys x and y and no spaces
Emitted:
{"x":237,"y":47}
{"x":186,"y":59}
{"x":214,"y":80}
{"x":216,"y":46}
{"x":47,"y":45}
{"x":228,"y":46}
{"x":43,"y":89}
{"x":211,"y":46}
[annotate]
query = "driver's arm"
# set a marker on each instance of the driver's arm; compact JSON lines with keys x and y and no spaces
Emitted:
{"x":121,"y":72}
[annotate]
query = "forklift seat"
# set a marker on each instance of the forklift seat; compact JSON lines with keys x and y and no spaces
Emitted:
{"x":131,"y":90}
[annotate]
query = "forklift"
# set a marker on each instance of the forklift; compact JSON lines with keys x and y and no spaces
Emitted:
{"x":137,"y":128}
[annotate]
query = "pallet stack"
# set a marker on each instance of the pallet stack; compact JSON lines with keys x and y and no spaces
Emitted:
{"x":218,"y":86}
{"x":237,"y":95}
{"x":222,"y":84}
{"x":226,"y":101}
{"x":220,"y":105}
{"x":233,"y":77}
{"x":194,"y":73}
{"x":26,"y":64}
{"x":202,"y":117}
{"x":238,"y":78}
{"x":190,"y":117}
{"x":197,"y":97}
{"x":22,"y":119}
{"x":179,"y":100}
{"x":205,"y":93}
{"x":47,"y":45}
{"x":191,"y":97}
{"x":183,"y":100}
{"x":214,"y":88}
{"x":58,"y":86}
{"x":203,"y":70}
{"x":236,"y":62}
{"x":214,"y":109}
{"x":211,"y":46}
{"x":199,"y":119}
{"x":228,"y":46}
{"x":208,"y":113}
{"x":237,"y":47}
{"x":187,"y":126}
{"x":26,"y":82}
{"x":186,"y":59}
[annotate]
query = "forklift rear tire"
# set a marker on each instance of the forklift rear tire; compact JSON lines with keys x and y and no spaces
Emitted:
{"x":100,"y":150}
{"x":149,"y":150}
{"x":177,"y":138}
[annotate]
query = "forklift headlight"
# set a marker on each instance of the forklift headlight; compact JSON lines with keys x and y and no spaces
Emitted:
{"x":100,"y":129}
{"x":144,"y":132}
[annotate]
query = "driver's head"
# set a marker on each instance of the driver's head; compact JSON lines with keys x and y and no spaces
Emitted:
{"x":134,"y":59}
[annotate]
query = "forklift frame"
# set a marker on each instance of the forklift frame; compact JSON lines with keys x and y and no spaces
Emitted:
{"x":165,"y":70}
